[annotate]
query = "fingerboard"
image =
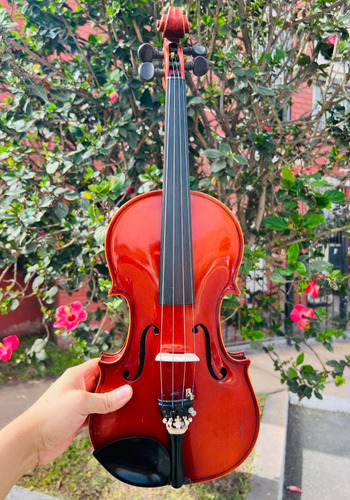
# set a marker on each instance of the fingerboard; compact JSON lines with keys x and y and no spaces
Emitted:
{"x":176,"y":286}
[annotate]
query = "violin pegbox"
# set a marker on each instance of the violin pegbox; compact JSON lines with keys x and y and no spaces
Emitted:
{"x":174,"y":26}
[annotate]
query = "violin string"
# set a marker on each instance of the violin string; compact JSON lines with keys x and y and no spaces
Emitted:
{"x":164,"y":225}
{"x":173,"y":282}
{"x":189,"y":229}
{"x":182,"y":141}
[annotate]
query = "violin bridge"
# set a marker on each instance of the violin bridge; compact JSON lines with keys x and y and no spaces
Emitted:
{"x":175,"y":357}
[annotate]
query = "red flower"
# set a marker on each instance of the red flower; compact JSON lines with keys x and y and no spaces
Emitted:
{"x":332,"y":40}
{"x":300,"y":314}
{"x":113,"y":97}
{"x":312,"y":289}
{"x":70,"y":316}
{"x":8,"y":345}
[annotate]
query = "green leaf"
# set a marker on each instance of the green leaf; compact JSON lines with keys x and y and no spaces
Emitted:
{"x":52,"y":291}
{"x":293,"y":253}
{"x":265,"y":91}
{"x":333,"y":363}
{"x":307,"y":369}
{"x":301,"y":268}
{"x":292,"y":373}
{"x":250,"y":73}
{"x":321,"y":265}
{"x":52,"y":167}
{"x":257,"y":335}
{"x":300,"y":358}
{"x":100,"y":234}
{"x":288,"y":174}
{"x":225,"y":148}
{"x":14,"y":304}
{"x":39,"y":91}
{"x":276,"y":223}
{"x":61,"y":210}
{"x":277,"y":278}
{"x":240,"y":159}
{"x":37,"y":282}
{"x":238,"y":71}
{"x":91,"y":212}
{"x":212,"y":153}
{"x":196,"y":100}
{"x":313,"y":220}
{"x":76,"y":131}
{"x":217,"y":166}
{"x":335,"y":196}
{"x":320,"y":183}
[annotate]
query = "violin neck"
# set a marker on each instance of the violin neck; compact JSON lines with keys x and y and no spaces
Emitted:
{"x":176,"y":286}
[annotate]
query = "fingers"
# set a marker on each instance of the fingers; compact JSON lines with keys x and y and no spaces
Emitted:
{"x":87,"y":372}
{"x":108,"y":401}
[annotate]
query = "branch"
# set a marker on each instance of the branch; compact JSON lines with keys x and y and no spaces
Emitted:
{"x":144,"y":138}
{"x":213,"y":34}
{"x":32,"y":54}
{"x":306,"y":19}
{"x":245,"y":33}
{"x":87,"y":62}
{"x":137,"y":30}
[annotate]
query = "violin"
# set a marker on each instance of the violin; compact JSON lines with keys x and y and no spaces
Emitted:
{"x":174,"y":254}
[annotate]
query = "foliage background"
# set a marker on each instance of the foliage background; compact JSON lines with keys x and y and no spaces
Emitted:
{"x":71,"y":155}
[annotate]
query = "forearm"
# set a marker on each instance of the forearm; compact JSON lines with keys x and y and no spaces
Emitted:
{"x":18,"y":452}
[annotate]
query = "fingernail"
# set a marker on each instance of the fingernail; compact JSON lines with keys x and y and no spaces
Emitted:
{"x":124,"y":393}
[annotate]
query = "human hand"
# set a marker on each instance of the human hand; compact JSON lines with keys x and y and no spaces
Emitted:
{"x":63,"y":409}
{"x":46,"y":429}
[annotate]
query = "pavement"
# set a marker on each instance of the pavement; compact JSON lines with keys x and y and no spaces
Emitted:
{"x":305,"y":445}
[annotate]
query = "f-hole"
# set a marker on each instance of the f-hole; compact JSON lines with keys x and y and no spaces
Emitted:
{"x":142,"y":351}
{"x":223,"y":371}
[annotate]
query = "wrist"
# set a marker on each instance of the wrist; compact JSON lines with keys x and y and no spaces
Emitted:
{"x":18,"y":452}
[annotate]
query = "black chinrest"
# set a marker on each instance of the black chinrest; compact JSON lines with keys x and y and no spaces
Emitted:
{"x":137,"y":461}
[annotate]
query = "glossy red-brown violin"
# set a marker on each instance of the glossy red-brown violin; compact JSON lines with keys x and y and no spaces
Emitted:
{"x":174,"y":254}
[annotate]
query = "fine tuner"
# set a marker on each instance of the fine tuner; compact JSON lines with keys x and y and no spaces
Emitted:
{"x":147,"y":54}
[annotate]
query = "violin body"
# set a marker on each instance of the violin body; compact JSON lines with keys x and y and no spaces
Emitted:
{"x":173,"y":255}
{"x":226,"y":425}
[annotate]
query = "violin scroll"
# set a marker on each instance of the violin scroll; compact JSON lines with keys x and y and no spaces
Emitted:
{"x":173,"y":25}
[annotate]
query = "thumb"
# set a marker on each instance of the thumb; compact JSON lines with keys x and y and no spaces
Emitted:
{"x":108,"y":401}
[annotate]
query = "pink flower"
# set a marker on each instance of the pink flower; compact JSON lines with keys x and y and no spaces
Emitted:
{"x":70,"y":316}
{"x":113,"y":97}
{"x":8,"y":345}
{"x":312,"y":289}
{"x":332,"y":40}
{"x":295,"y":489}
{"x":300,"y":314}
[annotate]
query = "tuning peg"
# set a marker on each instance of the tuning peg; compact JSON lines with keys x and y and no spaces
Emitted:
{"x":199,"y":66}
{"x":147,"y":53}
{"x":148,"y":72}
{"x":195,"y":51}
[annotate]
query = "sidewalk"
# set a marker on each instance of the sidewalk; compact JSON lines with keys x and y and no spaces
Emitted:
{"x":268,"y":467}
{"x":303,"y":444}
